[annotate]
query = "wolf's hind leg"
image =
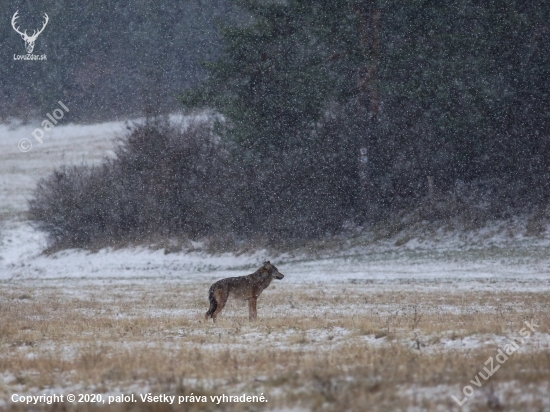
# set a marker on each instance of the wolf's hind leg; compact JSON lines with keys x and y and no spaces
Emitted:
{"x":221,"y":299}
{"x":211,"y":309}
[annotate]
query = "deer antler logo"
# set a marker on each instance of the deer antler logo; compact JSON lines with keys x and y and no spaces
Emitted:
{"x":29,"y":40}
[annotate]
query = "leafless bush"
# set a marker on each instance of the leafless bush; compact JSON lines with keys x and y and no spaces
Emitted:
{"x":163,"y":181}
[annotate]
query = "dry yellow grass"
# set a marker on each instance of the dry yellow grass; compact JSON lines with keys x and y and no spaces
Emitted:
{"x":345,"y":347}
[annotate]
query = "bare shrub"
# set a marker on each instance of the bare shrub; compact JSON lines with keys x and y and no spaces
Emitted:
{"x":164,"y":181}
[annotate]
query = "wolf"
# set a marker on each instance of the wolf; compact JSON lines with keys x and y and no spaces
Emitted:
{"x":241,"y":287}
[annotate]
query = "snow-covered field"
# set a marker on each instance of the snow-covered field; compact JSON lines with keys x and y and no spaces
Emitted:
{"x":360,"y":322}
{"x":64,"y":144}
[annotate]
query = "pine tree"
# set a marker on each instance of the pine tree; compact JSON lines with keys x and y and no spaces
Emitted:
{"x":280,"y":71}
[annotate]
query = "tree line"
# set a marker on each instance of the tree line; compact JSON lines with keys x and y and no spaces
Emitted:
{"x":447,"y":99}
{"x":342,"y":112}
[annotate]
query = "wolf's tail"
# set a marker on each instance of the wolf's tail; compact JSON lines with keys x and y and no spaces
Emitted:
{"x":213,"y":303}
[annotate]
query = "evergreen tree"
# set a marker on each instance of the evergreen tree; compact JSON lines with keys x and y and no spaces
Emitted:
{"x":280,"y":71}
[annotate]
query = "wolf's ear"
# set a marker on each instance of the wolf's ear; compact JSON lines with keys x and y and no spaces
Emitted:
{"x":266,"y":263}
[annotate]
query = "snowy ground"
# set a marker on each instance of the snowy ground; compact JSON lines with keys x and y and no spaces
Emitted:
{"x":367,"y":293}
{"x":64,"y":144}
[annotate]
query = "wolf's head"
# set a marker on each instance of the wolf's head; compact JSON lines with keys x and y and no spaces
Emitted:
{"x":273,"y":271}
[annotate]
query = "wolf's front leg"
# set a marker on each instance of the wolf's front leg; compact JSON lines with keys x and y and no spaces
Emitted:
{"x":252,"y":314}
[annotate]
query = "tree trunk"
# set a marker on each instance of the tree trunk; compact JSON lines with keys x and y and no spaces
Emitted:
{"x":368,"y":100}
